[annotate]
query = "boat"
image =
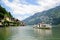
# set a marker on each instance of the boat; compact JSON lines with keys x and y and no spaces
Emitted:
{"x":43,"y":26}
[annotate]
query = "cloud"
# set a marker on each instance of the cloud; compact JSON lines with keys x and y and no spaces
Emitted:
{"x":49,"y":3}
{"x":22,"y":7}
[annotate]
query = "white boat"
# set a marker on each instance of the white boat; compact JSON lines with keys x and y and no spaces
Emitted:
{"x":43,"y":26}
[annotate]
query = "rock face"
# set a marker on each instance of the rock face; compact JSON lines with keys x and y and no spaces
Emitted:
{"x":51,"y":16}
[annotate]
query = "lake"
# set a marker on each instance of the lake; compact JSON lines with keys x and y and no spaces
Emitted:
{"x":29,"y":33}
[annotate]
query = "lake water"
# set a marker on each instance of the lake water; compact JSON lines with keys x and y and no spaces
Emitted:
{"x":29,"y":33}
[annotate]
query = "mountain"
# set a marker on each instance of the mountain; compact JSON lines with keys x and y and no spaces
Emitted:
{"x":49,"y":16}
{"x":3,"y":13}
{"x":6,"y":19}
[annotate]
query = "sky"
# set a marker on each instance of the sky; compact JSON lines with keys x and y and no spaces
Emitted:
{"x":21,"y":9}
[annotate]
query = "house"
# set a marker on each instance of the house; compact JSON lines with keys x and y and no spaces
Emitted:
{"x":6,"y":18}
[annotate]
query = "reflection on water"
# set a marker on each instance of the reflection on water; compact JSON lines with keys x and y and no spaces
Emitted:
{"x":44,"y":32}
{"x":5,"y":33}
{"x":29,"y":33}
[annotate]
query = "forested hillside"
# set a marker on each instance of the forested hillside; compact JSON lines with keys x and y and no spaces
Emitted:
{"x":6,"y":19}
{"x":49,"y":16}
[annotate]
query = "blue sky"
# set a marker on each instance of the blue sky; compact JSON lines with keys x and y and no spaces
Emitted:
{"x":22,"y":9}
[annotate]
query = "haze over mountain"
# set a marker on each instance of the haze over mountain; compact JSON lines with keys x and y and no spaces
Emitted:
{"x":49,"y":16}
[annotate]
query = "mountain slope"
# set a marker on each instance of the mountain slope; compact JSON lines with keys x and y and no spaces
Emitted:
{"x":3,"y":13}
{"x":50,"y":16}
{"x":6,"y":19}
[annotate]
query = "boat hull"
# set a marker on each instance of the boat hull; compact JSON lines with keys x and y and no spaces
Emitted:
{"x":42,"y":27}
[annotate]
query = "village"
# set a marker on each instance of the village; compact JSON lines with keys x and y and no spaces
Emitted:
{"x":7,"y":21}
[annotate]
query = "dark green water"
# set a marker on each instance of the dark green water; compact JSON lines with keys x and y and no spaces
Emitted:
{"x":29,"y":33}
